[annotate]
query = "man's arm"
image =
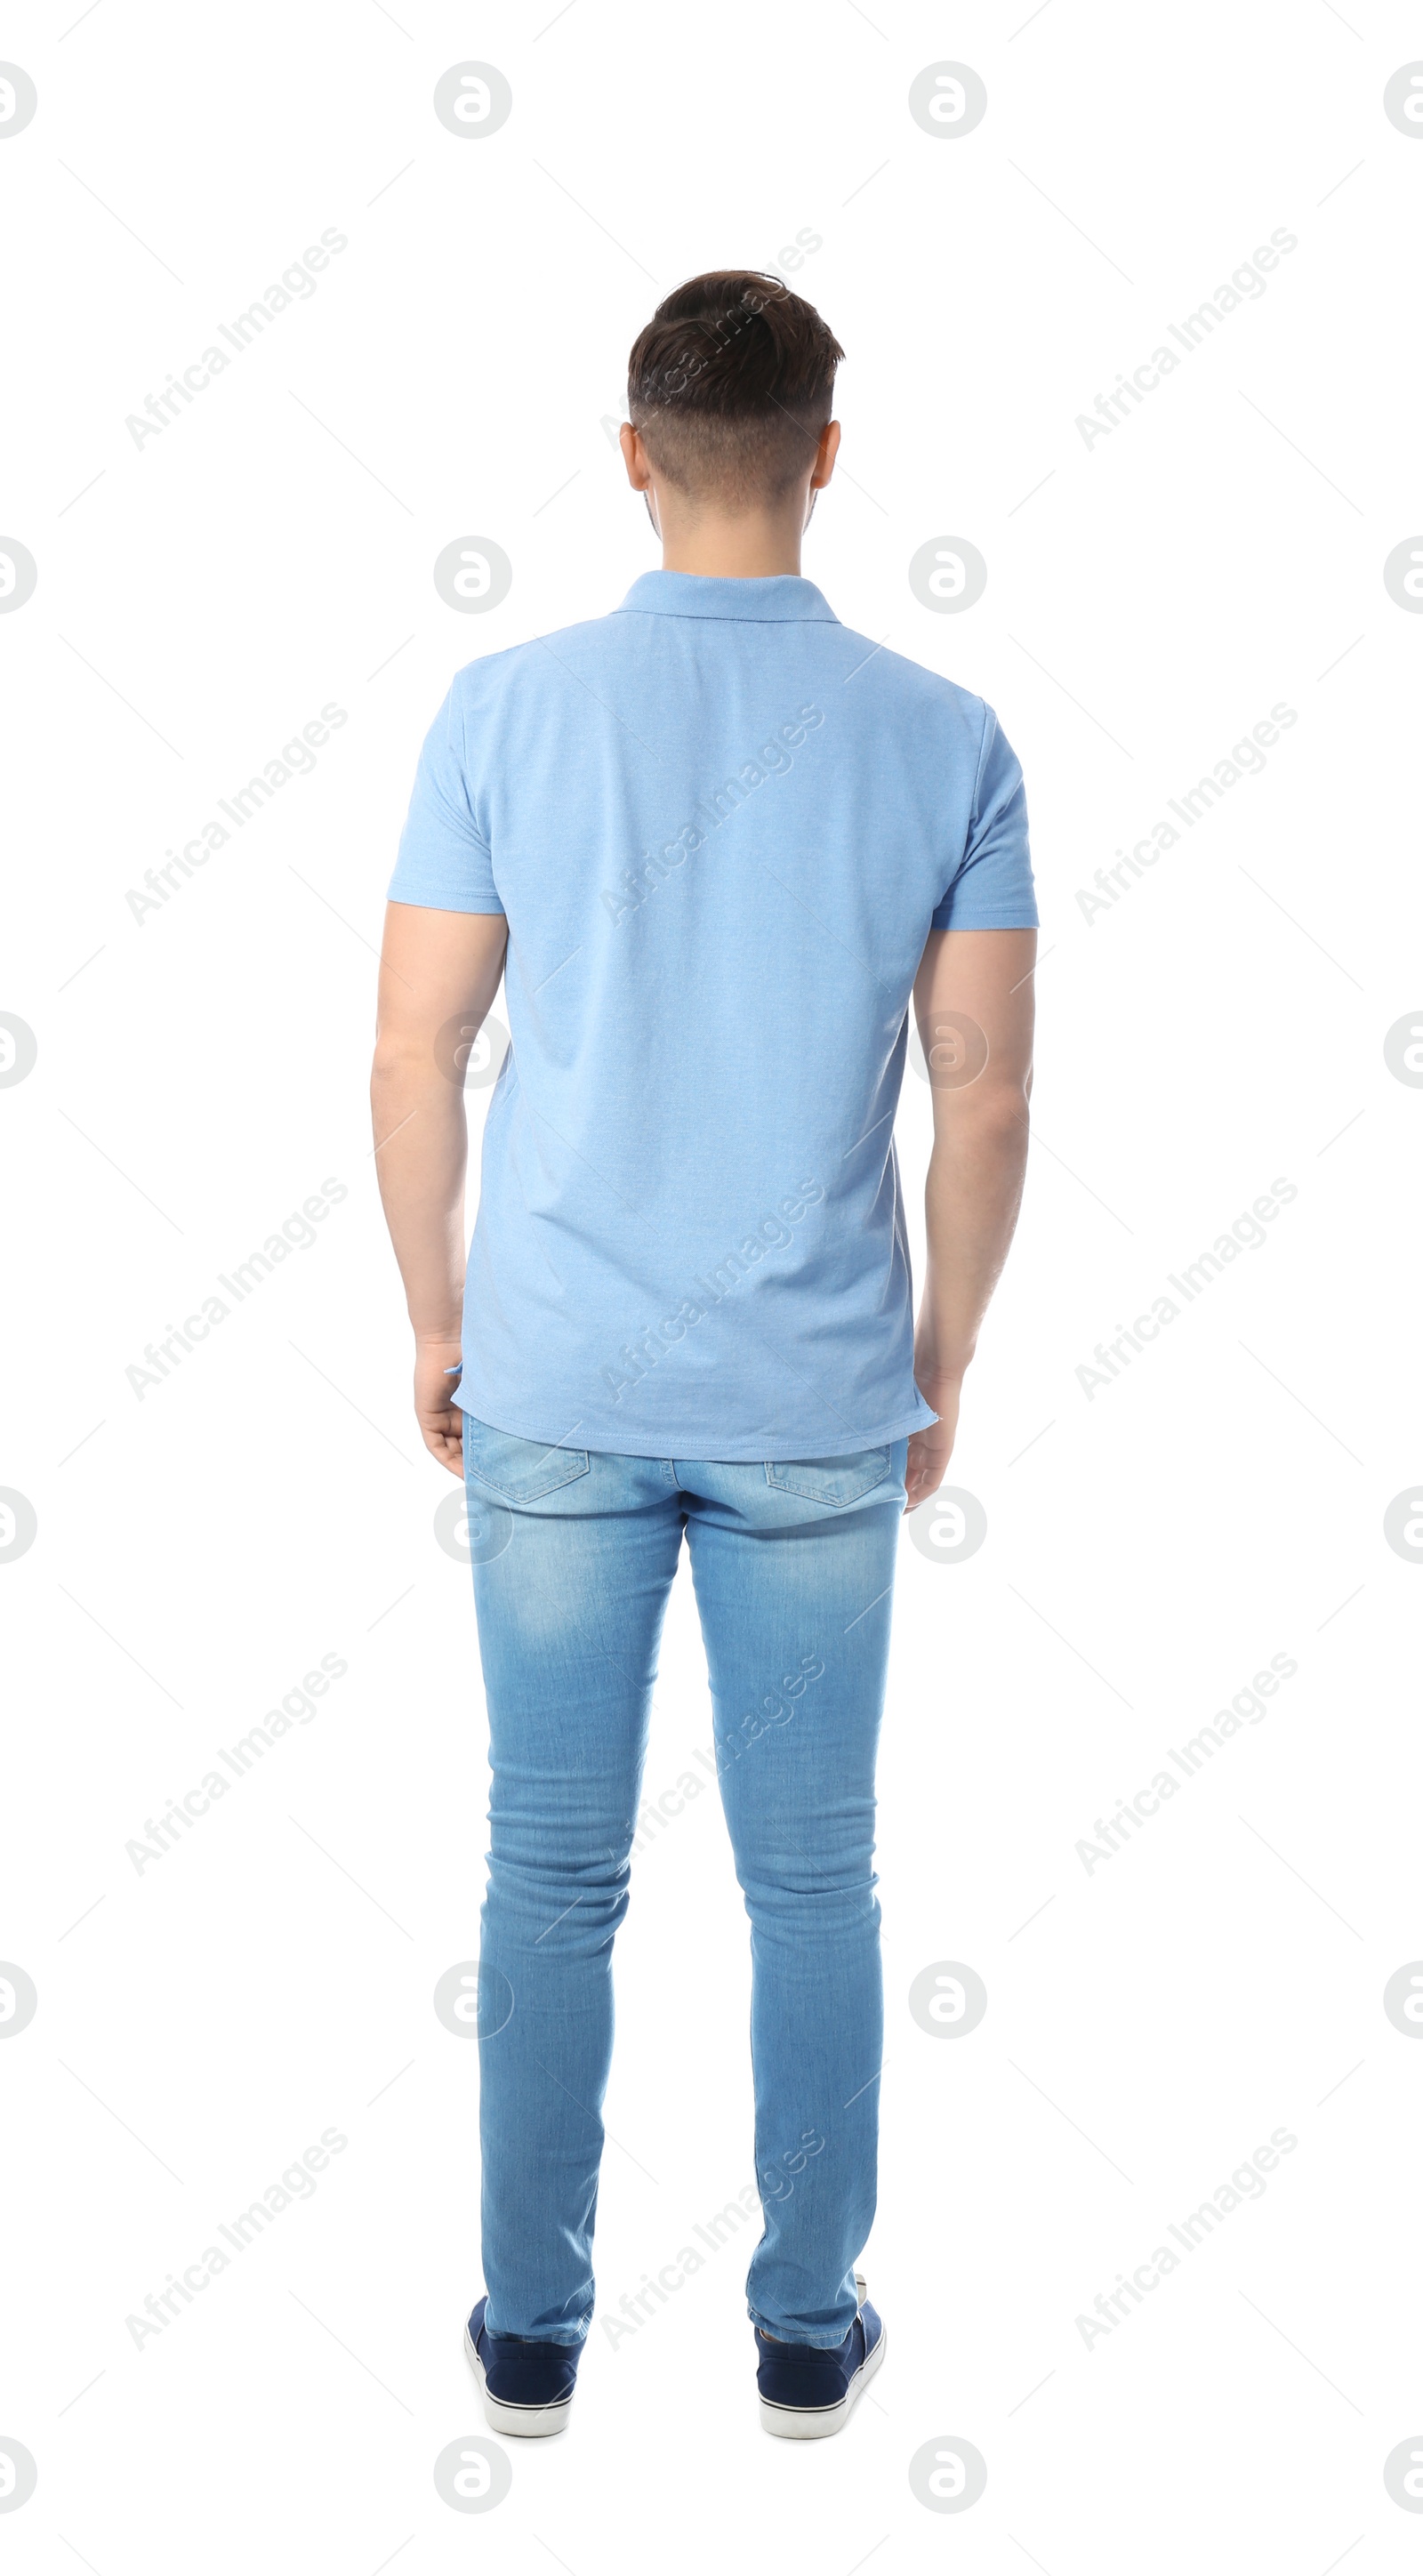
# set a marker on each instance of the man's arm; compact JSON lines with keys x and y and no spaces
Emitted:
{"x":439,"y":973}
{"x":973,"y":1005}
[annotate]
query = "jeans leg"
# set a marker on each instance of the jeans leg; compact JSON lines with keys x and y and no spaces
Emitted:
{"x":570,"y":1615}
{"x":794,"y":1597}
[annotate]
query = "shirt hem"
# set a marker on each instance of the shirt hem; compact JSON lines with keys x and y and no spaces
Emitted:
{"x":448,"y":899}
{"x":1022,"y":919}
{"x":744,"y":1451}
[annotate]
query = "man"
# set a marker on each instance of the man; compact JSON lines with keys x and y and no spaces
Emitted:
{"x":713,"y":842}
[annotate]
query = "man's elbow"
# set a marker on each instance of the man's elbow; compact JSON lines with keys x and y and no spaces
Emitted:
{"x":402,"y":1056}
{"x":992,"y":1106}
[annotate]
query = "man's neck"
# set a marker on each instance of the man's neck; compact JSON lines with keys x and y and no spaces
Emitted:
{"x":745,"y":549}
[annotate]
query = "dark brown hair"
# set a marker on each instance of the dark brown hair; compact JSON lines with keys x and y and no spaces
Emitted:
{"x":730,"y":384}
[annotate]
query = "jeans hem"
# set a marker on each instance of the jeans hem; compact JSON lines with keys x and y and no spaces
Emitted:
{"x":816,"y":2343}
{"x":565,"y":2342}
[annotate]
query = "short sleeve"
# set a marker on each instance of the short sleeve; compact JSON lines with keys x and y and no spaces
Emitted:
{"x":444,"y":861}
{"x":992,"y":887}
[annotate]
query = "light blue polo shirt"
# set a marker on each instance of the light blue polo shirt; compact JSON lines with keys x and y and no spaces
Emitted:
{"x":721,"y":825}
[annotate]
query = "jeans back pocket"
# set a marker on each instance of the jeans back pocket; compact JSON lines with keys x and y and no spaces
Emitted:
{"x":519,"y":1471}
{"x":836,"y":1481}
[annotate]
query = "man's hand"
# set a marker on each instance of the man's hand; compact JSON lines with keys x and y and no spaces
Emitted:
{"x":440,"y":1419}
{"x":931,"y":1450}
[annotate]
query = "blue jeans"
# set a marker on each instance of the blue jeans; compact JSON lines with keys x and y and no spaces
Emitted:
{"x":793,"y":1565}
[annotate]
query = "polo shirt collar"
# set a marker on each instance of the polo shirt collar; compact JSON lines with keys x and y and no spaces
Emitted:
{"x":780,"y":598}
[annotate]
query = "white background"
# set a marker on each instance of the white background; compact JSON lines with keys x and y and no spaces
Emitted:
{"x":201,"y":1071}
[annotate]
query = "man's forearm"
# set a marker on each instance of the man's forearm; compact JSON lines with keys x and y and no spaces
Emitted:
{"x":421,"y":1150}
{"x":971,"y":1201}
{"x":439,"y":974}
{"x":973,"y":1001}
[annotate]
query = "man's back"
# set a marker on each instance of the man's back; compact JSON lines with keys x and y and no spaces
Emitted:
{"x":721,"y":826}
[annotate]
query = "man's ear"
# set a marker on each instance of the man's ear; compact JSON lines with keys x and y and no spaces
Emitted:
{"x":639,"y":471}
{"x":827,"y":449}
{"x":635,"y":457}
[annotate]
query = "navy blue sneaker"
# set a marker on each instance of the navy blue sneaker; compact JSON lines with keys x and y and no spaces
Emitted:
{"x":806,"y":2392}
{"x":527,"y":2387}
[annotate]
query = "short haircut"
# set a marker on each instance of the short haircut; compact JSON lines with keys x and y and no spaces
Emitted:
{"x":730,"y":385}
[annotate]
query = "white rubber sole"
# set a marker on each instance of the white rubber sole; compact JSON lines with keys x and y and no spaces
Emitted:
{"x":816,"y":2423}
{"x":523,"y":2422}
